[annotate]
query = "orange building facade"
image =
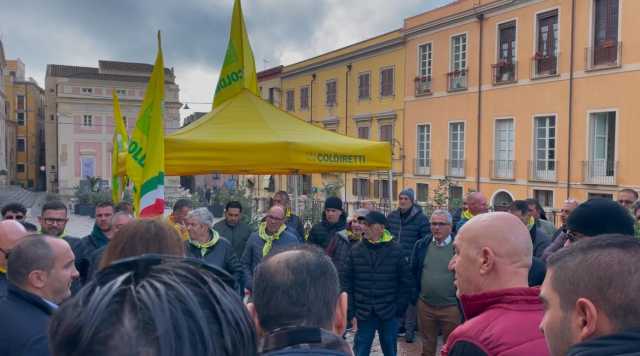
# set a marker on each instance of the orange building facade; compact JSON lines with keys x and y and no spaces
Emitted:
{"x":518,"y":99}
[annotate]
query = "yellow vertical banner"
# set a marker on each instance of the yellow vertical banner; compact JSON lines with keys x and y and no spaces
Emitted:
{"x":119,"y":142}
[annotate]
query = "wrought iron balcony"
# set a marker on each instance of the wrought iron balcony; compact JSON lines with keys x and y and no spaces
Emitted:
{"x":455,"y":168}
{"x":423,"y":86}
{"x":504,"y":72}
{"x":543,"y":170}
{"x":605,"y":55}
{"x":421,"y":167}
{"x":458,"y":80}
{"x":603,"y":172}
{"x":544,"y":65}
{"x":502,"y":169}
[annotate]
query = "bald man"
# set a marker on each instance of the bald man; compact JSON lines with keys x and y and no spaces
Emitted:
{"x":492,"y":258}
{"x":11,"y":231}
{"x":476,"y":204}
{"x":272,"y":236}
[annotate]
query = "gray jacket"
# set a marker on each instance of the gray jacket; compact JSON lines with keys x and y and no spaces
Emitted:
{"x":252,"y":255}
{"x":237,"y":235}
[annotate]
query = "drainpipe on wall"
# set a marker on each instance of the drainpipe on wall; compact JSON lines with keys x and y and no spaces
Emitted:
{"x":480,"y":18}
{"x":346,"y":118}
{"x":571,"y":68}
{"x":313,"y":79}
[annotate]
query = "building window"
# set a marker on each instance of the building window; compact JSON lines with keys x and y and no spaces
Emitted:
{"x":87,"y":90}
{"x":544,"y":197}
{"x":602,"y":133}
{"x":425,"y":63}
{"x":544,"y":165}
{"x":458,"y":74}
{"x":423,"y":150}
{"x":121,"y":92}
{"x":21,"y":144}
{"x":124,"y":120}
{"x":545,"y":60}
{"x":503,"y":164}
{"x":505,"y":69}
{"x":360,"y":188}
{"x":386,"y":82}
{"x":304,"y":98}
{"x":455,"y":197}
{"x":386,"y":132}
{"x":455,"y":166}
{"x":364,"y":86}
{"x":271,"y":95}
{"x":20,"y":102}
{"x":381,"y":189}
{"x":87,"y":166}
{"x":600,"y":196}
{"x":20,"y":168}
{"x":363,"y":132}
{"x":332,"y":92}
{"x":87,"y":121}
{"x":422,"y":192}
{"x":20,"y":118}
{"x":605,"y":36}
{"x":290,"y":100}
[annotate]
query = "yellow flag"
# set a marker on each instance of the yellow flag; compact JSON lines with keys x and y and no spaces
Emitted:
{"x":239,"y":68}
{"x":120,"y":140}
{"x":145,"y":158}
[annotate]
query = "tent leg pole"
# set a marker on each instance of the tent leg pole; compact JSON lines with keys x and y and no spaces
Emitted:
{"x":295,"y":194}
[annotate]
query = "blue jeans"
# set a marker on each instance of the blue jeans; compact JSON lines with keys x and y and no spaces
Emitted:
{"x":387,"y":333}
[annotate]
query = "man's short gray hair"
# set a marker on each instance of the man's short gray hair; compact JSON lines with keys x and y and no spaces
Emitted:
{"x":122,"y":213}
{"x":203,"y":215}
{"x":442,"y":212}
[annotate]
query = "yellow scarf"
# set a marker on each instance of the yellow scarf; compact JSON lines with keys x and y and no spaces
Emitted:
{"x":532,"y":222}
{"x":268,"y":239}
{"x":3,"y":270}
{"x":467,"y":215}
{"x":204,"y":247}
{"x":386,"y":237}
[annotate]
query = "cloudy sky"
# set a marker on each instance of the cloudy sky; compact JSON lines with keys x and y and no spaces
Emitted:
{"x":195,"y":33}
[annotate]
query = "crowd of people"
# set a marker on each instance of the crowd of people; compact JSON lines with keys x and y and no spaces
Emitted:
{"x":477,"y":282}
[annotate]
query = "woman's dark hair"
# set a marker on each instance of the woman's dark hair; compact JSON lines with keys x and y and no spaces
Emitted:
{"x":154,"y":305}
{"x":141,"y":237}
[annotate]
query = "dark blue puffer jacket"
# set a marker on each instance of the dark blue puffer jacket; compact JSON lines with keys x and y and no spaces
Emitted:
{"x":409,"y":230}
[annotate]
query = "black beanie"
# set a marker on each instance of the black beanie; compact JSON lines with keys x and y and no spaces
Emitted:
{"x":333,"y":203}
{"x":599,"y":216}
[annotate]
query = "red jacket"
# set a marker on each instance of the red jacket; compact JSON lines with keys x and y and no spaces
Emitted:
{"x":501,"y":323}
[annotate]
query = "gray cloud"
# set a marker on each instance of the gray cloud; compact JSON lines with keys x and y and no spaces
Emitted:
{"x":195,"y":32}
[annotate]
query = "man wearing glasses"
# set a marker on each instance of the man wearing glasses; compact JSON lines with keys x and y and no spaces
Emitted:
{"x":10,"y":233}
{"x":14,"y":211}
{"x":436,"y":297}
{"x":53,"y":221}
{"x":272,"y":236}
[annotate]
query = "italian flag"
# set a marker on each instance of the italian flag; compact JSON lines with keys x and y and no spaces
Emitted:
{"x":145,"y":154}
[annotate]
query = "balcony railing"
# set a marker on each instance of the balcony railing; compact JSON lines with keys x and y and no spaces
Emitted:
{"x":504,"y":72}
{"x":543,"y":170}
{"x":421,"y":167}
{"x":544,"y":65}
{"x":605,"y":55}
{"x":455,"y":168}
{"x":502,"y":169}
{"x":423,"y":86}
{"x":602,"y":172}
{"x":457,"y":80}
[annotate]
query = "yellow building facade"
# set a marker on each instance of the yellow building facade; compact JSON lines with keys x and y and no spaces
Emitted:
{"x":26,"y":110}
{"x":519,"y":99}
{"x":356,"y":91}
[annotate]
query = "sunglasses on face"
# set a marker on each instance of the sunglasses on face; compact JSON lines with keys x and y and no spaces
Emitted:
{"x":14,"y":217}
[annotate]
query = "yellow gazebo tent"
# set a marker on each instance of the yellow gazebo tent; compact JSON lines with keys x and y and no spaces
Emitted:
{"x":247,"y":135}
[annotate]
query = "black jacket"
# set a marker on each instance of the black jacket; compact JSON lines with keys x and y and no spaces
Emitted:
{"x":24,"y":323}
{"x":237,"y":235}
{"x":410,"y":229}
{"x":322,"y":232}
{"x":339,"y":248}
{"x":378,"y":281}
{"x":221,"y":255}
{"x":294,"y":223}
{"x":303,"y":341}
{"x":417,"y":263}
{"x":84,"y":249}
{"x":626,"y":343}
{"x":3,"y":285}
